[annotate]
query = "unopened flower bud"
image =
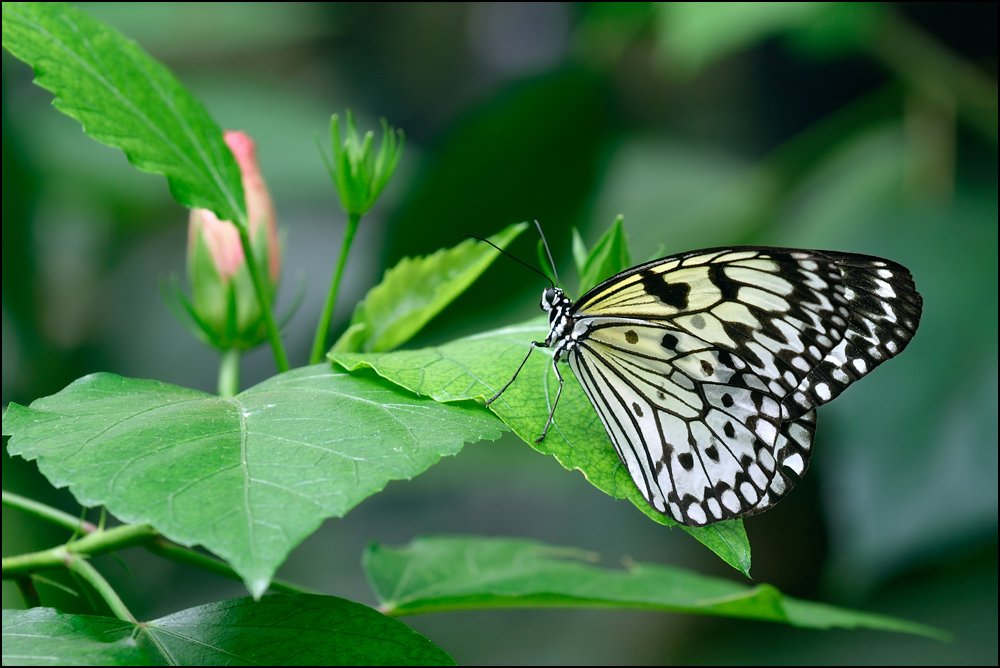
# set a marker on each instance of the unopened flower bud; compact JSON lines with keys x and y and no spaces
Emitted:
{"x":224,"y":302}
{"x":360,"y":174}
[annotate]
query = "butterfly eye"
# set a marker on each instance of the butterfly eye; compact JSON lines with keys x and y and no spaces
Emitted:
{"x":549,"y":298}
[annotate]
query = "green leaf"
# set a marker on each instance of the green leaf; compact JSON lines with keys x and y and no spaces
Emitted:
{"x":608,"y":257}
{"x":126,"y":99}
{"x":47,"y":637}
{"x":248,"y":477}
{"x":463,"y":573}
{"x":477,"y":366}
{"x":417,"y":289}
{"x":277,"y":630}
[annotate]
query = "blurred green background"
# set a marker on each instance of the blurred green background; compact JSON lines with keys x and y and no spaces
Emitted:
{"x":862,"y":127}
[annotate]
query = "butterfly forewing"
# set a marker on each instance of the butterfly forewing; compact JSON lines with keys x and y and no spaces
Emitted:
{"x":705,"y":367}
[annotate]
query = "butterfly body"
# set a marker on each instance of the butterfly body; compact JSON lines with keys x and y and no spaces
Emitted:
{"x":706,"y":367}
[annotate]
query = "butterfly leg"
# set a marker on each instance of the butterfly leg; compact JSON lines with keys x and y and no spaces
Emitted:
{"x":523,"y":362}
{"x":552,"y":413}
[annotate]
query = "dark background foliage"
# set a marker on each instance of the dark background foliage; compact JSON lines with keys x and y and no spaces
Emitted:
{"x":868,"y":128}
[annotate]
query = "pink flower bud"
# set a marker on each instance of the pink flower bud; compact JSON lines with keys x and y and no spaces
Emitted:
{"x":217,"y":267}
{"x":222,"y":237}
{"x":260,"y":209}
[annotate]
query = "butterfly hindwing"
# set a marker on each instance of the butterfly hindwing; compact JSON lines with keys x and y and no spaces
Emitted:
{"x":697,"y":439}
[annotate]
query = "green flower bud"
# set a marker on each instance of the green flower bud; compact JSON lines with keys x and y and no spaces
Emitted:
{"x":357,"y":172}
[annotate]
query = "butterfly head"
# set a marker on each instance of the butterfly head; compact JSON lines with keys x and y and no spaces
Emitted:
{"x":558,"y":305}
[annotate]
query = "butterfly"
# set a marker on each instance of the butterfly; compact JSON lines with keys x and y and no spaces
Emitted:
{"x":706,"y":367}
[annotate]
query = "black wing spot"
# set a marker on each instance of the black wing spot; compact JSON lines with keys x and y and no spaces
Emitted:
{"x":636,"y":409}
{"x":686,"y":460}
{"x":631,"y":337}
{"x":730,"y":431}
{"x":727,"y":400}
{"x":669,"y":342}
{"x":671,"y":294}
{"x":712,"y":452}
{"x":707,"y":368}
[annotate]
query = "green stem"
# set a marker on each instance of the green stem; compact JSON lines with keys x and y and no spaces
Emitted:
{"x":79,"y":565}
{"x":96,"y":542}
{"x":47,"y":513}
{"x":319,"y":342}
{"x":229,"y":373}
{"x":263,"y":298}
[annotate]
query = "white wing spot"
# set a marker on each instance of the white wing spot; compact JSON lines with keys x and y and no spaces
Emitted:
{"x":795,"y":463}
{"x":731,"y":501}
{"x":765,"y":459}
{"x":715,"y":508}
{"x":697,"y":513}
{"x":748,"y":492}
{"x":766,"y":432}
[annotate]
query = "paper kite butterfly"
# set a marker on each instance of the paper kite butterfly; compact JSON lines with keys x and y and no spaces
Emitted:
{"x":706,"y":367}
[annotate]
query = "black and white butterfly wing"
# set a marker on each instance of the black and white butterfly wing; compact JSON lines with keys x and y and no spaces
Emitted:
{"x":706,"y":367}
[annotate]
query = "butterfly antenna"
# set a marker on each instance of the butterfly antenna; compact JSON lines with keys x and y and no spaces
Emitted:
{"x":548,"y":252}
{"x":534,"y":269}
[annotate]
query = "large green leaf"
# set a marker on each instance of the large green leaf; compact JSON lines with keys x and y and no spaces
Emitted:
{"x":248,"y":477}
{"x":278,"y":630}
{"x":477,"y":367}
{"x":126,"y":99}
{"x":462,"y":573}
{"x":417,"y":289}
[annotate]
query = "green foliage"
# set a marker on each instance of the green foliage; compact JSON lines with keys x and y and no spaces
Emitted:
{"x":608,"y":257}
{"x":124,"y":98}
{"x":247,"y":477}
{"x":278,"y":630}
{"x":461,"y":573}
{"x":477,"y":366}
{"x":416,"y":290}
{"x":251,"y":476}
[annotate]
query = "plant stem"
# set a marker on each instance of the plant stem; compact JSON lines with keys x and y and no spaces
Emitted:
{"x":264,"y":300}
{"x":96,"y":542}
{"x":47,"y":513}
{"x":79,"y":565}
{"x":229,"y":373}
{"x":319,"y":342}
